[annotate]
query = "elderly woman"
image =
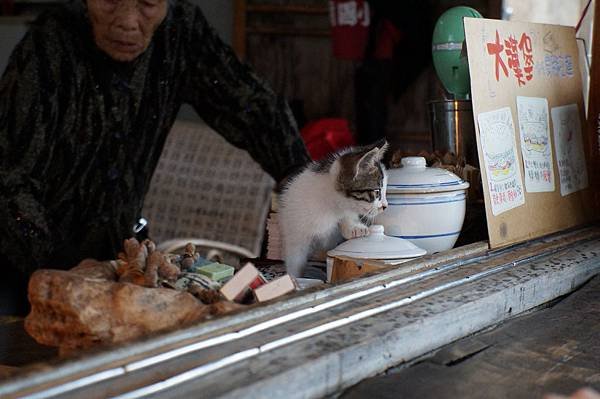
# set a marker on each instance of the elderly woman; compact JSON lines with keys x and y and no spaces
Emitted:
{"x":86,"y":102}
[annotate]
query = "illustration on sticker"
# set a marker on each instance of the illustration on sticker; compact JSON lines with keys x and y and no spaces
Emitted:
{"x":535,"y":143}
{"x":497,"y":134}
{"x":570,"y":156}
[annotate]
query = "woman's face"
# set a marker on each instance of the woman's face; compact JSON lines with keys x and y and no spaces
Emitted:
{"x":123,"y":29}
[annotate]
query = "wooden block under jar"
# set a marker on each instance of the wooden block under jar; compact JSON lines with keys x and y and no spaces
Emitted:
{"x":344,"y":269}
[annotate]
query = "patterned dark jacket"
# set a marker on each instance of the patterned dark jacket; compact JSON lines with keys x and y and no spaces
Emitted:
{"x":81,"y":134}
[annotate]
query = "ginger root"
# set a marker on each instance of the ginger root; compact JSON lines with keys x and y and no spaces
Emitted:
{"x":142,"y":264}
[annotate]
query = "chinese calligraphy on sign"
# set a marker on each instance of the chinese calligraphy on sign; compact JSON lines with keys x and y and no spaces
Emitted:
{"x":560,"y":66}
{"x":519,"y":57}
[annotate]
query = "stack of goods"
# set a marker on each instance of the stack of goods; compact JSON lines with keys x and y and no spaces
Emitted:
{"x":450,"y":162}
{"x":141,"y":292}
{"x":212,"y":282}
{"x":249,"y":285}
{"x":274,"y":243}
{"x":141,"y":264}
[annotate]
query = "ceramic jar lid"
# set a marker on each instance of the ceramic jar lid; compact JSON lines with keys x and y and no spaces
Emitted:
{"x":377,"y":246}
{"x":415,"y":177}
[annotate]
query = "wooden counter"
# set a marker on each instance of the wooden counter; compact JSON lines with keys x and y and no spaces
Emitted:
{"x":320,"y":341}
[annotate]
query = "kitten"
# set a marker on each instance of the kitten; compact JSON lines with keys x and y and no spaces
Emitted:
{"x":329,"y":197}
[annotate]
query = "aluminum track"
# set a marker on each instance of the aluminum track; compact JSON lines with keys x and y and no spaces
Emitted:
{"x":324,"y":340}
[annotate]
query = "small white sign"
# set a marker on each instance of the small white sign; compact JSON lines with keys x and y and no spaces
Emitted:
{"x":535,"y":144}
{"x":569,"y":149}
{"x":497,"y":133}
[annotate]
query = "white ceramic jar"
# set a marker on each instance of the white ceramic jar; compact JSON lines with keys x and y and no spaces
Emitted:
{"x":426,"y":205}
{"x":376,"y":245}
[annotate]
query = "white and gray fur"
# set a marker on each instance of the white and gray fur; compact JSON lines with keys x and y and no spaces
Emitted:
{"x":340,"y":194}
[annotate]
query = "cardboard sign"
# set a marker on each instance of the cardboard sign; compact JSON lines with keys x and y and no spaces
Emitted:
{"x":528,"y":110}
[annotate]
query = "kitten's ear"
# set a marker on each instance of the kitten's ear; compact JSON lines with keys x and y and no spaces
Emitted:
{"x":368,"y":160}
{"x":376,"y":153}
{"x":383,"y":146}
{"x":380,"y":143}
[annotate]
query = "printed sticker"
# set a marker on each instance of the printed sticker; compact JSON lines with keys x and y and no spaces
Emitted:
{"x":569,"y":149}
{"x":497,"y":133}
{"x":535,"y":144}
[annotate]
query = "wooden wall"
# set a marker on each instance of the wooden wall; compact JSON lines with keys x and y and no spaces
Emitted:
{"x":593,"y":114}
{"x":288,"y":43}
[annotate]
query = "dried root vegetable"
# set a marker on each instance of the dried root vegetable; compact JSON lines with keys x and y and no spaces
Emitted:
{"x":133,"y":262}
{"x":168,"y":270}
{"x":94,"y":269}
{"x":73,"y":311}
{"x":206,"y":296}
{"x":133,"y":276}
{"x":151,"y":272}
{"x":190,"y":256}
{"x":90,"y":305}
{"x":224,"y":307}
{"x":150,"y":245}
{"x":142,"y":264}
{"x":190,"y":249}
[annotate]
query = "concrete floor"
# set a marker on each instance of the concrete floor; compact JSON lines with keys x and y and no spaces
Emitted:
{"x":552,"y":350}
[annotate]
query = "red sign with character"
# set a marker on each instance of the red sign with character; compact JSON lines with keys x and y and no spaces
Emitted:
{"x":514,"y":51}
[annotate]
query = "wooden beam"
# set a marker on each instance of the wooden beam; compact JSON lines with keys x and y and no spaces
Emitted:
{"x":593,"y":114}
{"x":239,"y":28}
{"x":288,"y":8}
{"x":494,"y":9}
{"x":285,"y":31}
{"x":336,"y":335}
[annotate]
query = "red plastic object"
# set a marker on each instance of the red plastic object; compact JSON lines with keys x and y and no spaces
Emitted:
{"x":324,"y":136}
{"x":387,"y":39}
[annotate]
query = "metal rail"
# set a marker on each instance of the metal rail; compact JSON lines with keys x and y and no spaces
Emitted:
{"x":193,"y":357}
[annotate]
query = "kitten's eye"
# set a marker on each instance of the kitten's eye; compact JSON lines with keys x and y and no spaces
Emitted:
{"x":377,"y":193}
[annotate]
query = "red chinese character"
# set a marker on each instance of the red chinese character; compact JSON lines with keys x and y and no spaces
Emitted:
{"x":526,"y":49}
{"x":496,"y":49}
{"x":513,"y":58}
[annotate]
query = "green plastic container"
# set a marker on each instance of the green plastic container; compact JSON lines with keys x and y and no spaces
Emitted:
{"x":449,"y":51}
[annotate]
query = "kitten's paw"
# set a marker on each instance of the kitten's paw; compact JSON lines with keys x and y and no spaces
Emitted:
{"x":354,"y":231}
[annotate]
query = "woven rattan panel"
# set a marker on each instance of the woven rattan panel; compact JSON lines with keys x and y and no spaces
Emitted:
{"x":206,"y":188}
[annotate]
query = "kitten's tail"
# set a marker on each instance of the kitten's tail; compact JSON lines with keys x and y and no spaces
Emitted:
{"x":295,"y":261}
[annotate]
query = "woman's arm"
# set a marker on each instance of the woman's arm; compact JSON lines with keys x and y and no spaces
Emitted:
{"x":238,"y":105}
